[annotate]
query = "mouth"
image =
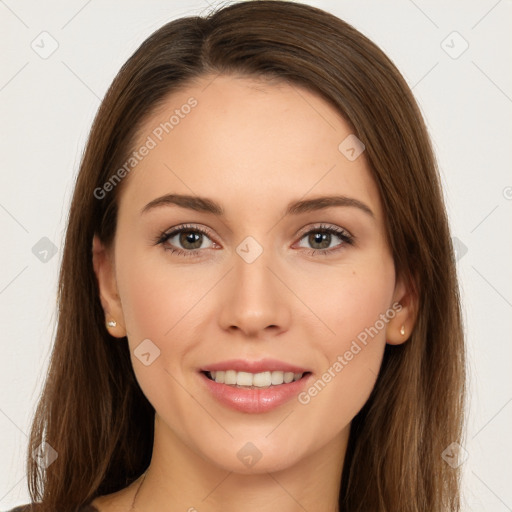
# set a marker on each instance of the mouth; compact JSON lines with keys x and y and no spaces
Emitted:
{"x":261,"y":390}
{"x":248,"y":380}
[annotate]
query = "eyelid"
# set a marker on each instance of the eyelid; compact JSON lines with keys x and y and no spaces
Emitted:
{"x":342,"y":233}
{"x":162,"y":237}
{"x":322,"y":226}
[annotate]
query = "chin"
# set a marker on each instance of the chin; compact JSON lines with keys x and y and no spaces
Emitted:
{"x":254,"y":454}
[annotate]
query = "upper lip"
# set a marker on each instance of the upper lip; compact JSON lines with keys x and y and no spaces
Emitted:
{"x":263,"y":365}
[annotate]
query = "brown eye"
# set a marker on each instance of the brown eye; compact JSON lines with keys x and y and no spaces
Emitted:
{"x":320,"y":240}
{"x":323,"y":239}
{"x":185,"y":240}
{"x":190,"y":239}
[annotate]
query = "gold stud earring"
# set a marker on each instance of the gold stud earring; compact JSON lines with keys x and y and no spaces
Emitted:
{"x":402,"y":330}
{"x":111,"y":323}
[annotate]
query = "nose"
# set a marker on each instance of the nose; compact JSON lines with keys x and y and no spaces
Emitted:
{"x":254,"y":300}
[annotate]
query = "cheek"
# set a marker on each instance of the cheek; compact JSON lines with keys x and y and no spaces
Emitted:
{"x":155,"y":292}
{"x":158,"y":305}
{"x":357,"y":311}
{"x":352,"y":305}
{"x":164,"y":304}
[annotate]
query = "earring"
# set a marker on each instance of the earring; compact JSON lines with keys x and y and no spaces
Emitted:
{"x":111,"y":323}
{"x":402,"y":330}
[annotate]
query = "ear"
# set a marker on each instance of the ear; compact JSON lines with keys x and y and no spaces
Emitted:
{"x":405,"y":297}
{"x":103,"y":263}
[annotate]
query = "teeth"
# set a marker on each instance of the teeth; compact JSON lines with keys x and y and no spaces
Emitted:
{"x":244,"y":379}
{"x":230,"y":377}
{"x":262,"y":380}
{"x":259,"y":380}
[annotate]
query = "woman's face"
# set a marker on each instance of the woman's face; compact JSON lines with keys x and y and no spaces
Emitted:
{"x":265,"y":279}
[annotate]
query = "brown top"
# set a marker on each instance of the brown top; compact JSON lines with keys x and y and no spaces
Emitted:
{"x":35,"y":507}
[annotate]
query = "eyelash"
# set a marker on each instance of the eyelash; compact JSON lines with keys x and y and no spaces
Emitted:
{"x":322,"y":228}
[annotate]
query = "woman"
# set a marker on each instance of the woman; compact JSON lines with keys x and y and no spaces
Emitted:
{"x":258,"y":306}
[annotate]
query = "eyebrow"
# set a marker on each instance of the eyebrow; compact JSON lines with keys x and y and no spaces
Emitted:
{"x":205,"y":205}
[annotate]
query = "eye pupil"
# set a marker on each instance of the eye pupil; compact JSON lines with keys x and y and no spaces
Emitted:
{"x":320,"y":238}
{"x":190,"y":237}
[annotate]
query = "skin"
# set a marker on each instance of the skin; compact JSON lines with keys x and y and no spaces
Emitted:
{"x":253,"y":147}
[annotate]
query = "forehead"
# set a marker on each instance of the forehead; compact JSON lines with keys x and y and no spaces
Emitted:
{"x":247,"y":142}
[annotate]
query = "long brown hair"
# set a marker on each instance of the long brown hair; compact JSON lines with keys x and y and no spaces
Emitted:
{"x":92,"y":411}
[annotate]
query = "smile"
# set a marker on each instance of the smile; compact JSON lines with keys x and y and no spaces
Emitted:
{"x":253,"y":380}
{"x":254,"y":386}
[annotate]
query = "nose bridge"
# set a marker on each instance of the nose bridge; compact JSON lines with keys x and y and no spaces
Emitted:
{"x":255,"y":298}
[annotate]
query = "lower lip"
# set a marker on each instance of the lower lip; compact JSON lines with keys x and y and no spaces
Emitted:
{"x":255,"y":400}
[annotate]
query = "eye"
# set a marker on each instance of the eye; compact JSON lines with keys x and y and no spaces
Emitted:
{"x":185,"y":240}
{"x":321,"y":238}
{"x":188,"y":240}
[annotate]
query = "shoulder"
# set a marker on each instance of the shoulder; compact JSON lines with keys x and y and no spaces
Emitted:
{"x":35,"y":507}
{"x":119,"y":501}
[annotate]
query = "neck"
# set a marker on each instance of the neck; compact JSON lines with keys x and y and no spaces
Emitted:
{"x":179,"y":479}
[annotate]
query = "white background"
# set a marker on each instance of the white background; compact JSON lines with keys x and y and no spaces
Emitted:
{"x":47,"y":107}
